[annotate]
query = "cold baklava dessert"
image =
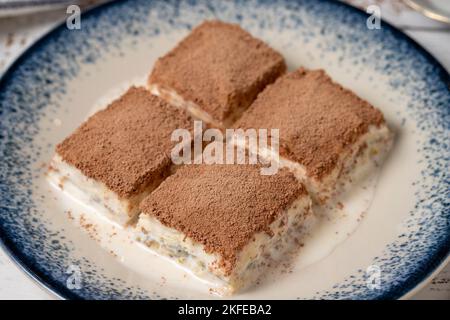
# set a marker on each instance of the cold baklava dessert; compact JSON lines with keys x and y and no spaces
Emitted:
{"x":226,"y":222}
{"x":120,"y":154}
{"x":216,"y":72}
{"x":326,"y":131}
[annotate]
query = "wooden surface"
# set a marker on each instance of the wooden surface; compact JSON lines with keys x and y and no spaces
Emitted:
{"x":16,"y":34}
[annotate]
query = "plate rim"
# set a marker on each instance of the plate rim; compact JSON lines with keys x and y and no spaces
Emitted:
{"x":427,"y":12}
{"x":59,"y":291}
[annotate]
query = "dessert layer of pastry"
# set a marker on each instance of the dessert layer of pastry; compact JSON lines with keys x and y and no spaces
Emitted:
{"x":96,"y":194}
{"x":121,"y":153}
{"x":325,"y":129}
{"x":226,"y":221}
{"x":216,"y":71}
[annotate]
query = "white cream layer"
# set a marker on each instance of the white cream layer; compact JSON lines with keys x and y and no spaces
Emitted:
{"x":94,"y":193}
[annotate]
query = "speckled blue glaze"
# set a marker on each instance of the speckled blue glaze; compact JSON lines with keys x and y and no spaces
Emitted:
{"x":31,"y":89}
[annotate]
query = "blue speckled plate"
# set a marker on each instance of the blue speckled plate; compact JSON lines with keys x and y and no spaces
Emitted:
{"x":403,"y":237}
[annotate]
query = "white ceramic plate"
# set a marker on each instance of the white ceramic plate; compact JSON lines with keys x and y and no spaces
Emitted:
{"x":396,"y":230}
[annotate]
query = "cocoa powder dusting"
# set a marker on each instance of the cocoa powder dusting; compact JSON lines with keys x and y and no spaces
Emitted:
{"x":220,"y":67}
{"x":318,"y":119}
{"x":127,"y":145}
{"x":222,"y":206}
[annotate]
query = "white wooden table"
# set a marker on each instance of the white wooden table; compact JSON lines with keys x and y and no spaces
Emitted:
{"x":16,"y":34}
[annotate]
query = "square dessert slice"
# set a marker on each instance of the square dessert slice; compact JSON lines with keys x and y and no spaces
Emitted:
{"x":216,"y":72}
{"x":224,"y":222}
{"x":327,"y":133}
{"x":120,"y":154}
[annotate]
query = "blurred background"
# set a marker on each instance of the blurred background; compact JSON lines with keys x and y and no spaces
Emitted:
{"x":22,"y":22}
